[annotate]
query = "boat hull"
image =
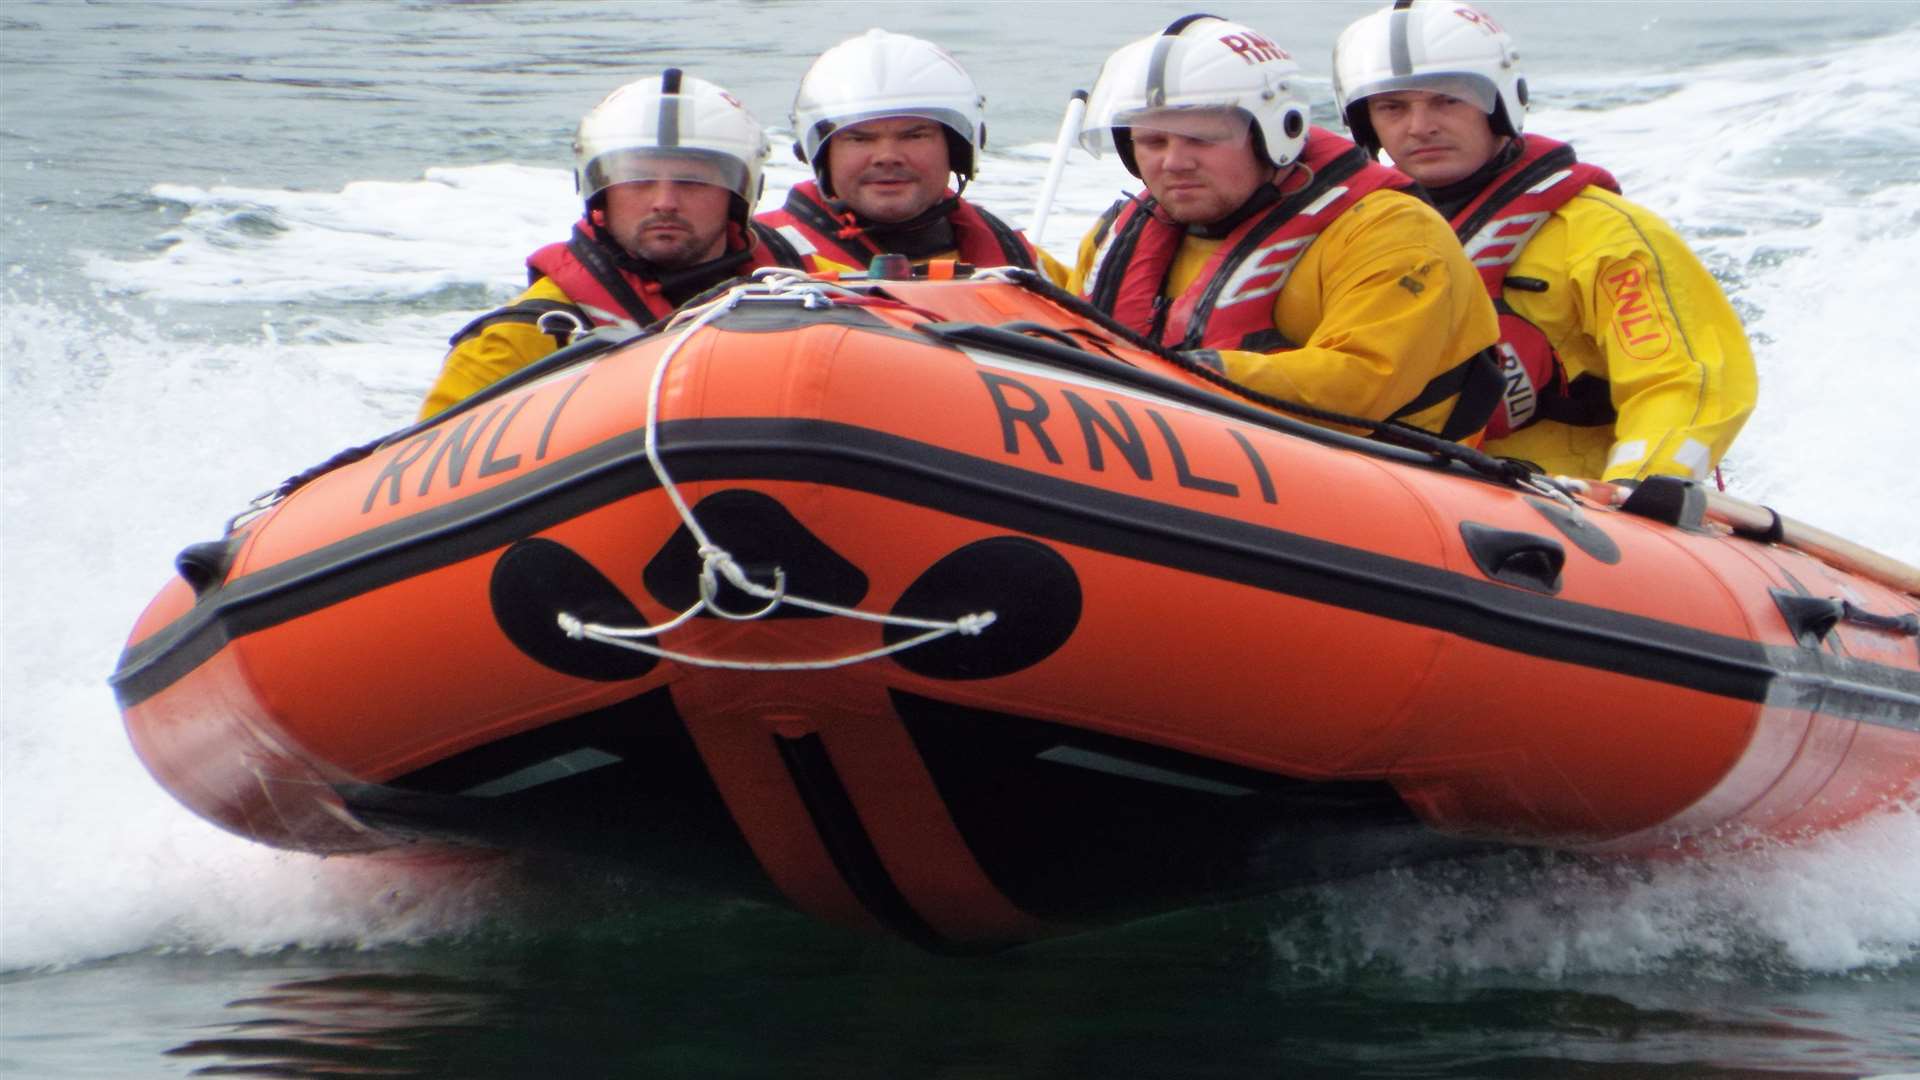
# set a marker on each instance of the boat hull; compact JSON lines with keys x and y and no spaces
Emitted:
{"x":1225,"y":655}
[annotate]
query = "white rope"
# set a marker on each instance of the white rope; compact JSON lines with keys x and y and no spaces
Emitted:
{"x":1004,"y":274}
{"x":966,"y":624}
{"x":716,"y":563}
{"x":1560,"y":489}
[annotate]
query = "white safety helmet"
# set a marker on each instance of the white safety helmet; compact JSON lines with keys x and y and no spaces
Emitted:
{"x":670,"y":127}
{"x":881,"y":75}
{"x":1439,"y":46}
{"x":1200,"y":62}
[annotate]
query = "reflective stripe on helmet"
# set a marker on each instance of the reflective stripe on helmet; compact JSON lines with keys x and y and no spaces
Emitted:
{"x":669,"y":127}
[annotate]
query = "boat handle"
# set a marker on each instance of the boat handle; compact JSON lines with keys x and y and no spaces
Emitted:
{"x":203,"y":566}
{"x":1892,"y":624}
{"x":1812,"y":618}
{"x":1526,"y":559}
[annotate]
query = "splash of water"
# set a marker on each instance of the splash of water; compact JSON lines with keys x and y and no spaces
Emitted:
{"x":1839,"y":903}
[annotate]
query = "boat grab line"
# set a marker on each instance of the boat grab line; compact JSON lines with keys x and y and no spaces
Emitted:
{"x":717,"y":563}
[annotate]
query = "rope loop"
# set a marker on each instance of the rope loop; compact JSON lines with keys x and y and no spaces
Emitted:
{"x":717,"y":563}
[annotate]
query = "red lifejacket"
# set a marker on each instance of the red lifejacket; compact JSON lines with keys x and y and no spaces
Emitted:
{"x":586,"y":268}
{"x":979,"y":237}
{"x":1495,"y":228}
{"x":1230,"y":304}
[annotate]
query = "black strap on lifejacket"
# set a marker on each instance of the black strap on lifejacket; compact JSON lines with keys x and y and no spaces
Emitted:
{"x":1269,"y":340}
{"x":1106,"y":290}
{"x":821,"y":220}
{"x":1587,"y":402}
{"x":600,"y":263}
{"x":1551,"y":162}
{"x":778,"y":246}
{"x":527,"y":311}
{"x":1011,"y":245}
{"x":1477,"y":380}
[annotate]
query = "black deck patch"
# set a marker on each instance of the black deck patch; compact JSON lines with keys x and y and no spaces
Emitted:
{"x":1146,"y":829}
{"x":537,"y":579}
{"x":655,"y":807}
{"x":761,"y":534}
{"x":1032,"y":591}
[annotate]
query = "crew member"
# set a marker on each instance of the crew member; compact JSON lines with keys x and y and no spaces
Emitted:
{"x":884,"y":119}
{"x":1275,"y":252}
{"x":1621,"y":356}
{"x":669,"y":168}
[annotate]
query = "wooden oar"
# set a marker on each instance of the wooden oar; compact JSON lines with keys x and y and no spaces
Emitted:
{"x":1752,"y":519}
{"x":1764,"y":523}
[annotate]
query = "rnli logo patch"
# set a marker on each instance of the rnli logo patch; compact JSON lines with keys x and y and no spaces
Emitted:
{"x":1637,"y":326}
{"x":1478,"y":18}
{"x":1254,"y":48}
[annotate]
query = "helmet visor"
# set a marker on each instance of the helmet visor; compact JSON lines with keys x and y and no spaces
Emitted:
{"x":1207,"y":124}
{"x":951,"y":119}
{"x":685,"y":165}
{"x":1472,"y":89}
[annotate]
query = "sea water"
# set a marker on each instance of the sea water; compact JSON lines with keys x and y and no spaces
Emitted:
{"x":236,"y":237}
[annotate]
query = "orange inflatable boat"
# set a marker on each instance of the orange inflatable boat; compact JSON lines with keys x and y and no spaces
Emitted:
{"x":943,"y":607}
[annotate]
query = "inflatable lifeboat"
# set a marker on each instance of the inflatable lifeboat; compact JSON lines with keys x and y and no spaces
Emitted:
{"x":946,"y":608}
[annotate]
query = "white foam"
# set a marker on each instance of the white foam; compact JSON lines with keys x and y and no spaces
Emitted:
{"x":1841,"y":903}
{"x":171,"y":438}
{"x":369,"y":241}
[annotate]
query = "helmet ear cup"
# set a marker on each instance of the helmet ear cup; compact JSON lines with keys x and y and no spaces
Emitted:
{"x":1123,"y":148}
{"x":1500,"y":122}
{"x":1293,"y":124}
{"x":959,"y":154}
{"x":1361,"y":126}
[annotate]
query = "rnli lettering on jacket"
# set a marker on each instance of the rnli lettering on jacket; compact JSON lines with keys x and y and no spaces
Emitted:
{"x":1230,"y":305}
{"x":808,"y":223}
{"x":1495,"y":228}
{"x":585,"y":268}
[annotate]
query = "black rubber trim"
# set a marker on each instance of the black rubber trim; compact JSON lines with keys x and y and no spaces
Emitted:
{"x":1053,"y":508}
